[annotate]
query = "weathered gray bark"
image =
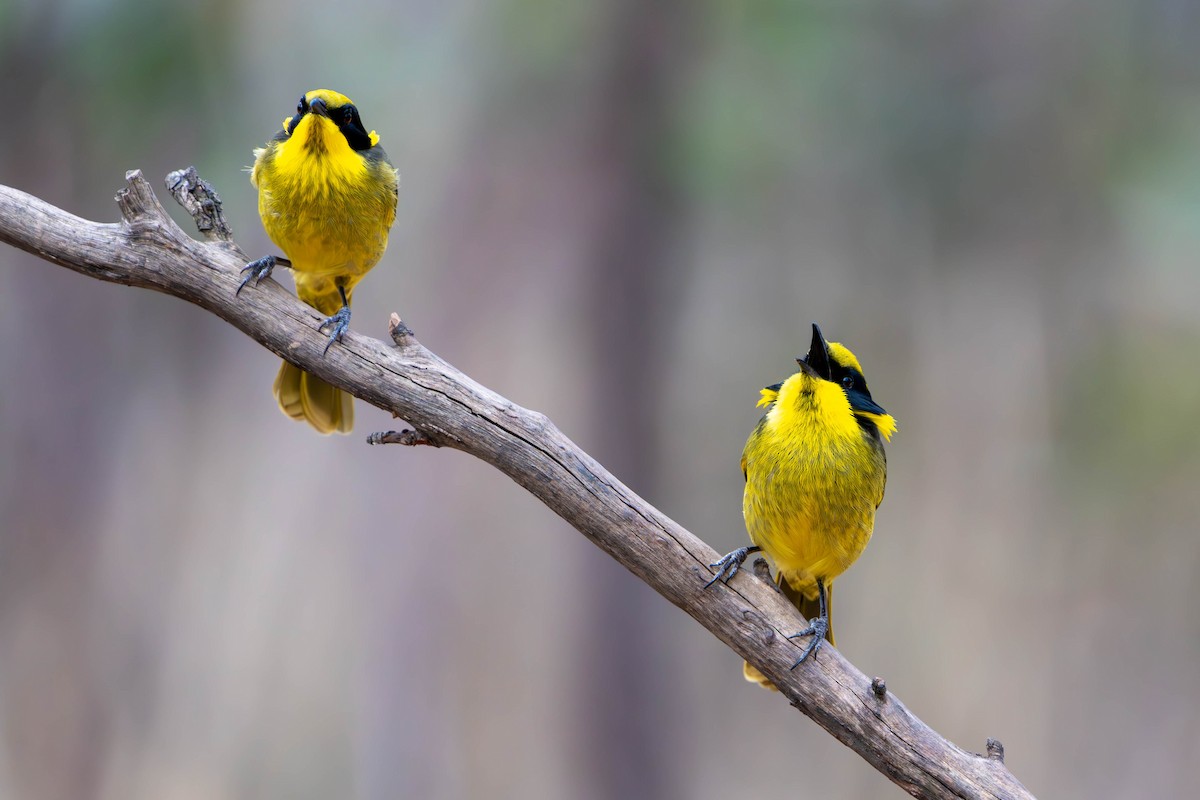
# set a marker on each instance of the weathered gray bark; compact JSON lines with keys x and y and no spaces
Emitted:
{"x":449,"y":409}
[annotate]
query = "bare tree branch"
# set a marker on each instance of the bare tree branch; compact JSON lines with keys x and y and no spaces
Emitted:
{"x":448,"y":409}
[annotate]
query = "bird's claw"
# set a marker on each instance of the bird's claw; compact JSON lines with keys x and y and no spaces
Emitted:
{"x":817,"y":629}
{"x":338,"y":324}
{"x":729,"y":564}
{"x":256,"y":271}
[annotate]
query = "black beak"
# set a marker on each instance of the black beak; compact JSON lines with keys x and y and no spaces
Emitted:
{"x":317,"y":106}
{"x":817,"y":359}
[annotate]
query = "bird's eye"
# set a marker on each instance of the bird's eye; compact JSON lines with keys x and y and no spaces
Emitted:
{"x":347,"y":115}
{"x":302,"y":106}
{"x":848,"y":382}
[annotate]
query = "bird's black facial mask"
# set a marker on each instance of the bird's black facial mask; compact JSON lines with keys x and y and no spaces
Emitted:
{"x":345,"y":117}
{"x":289,"y":124}
{"x":351,"y":126}
{"x":857,"y":394}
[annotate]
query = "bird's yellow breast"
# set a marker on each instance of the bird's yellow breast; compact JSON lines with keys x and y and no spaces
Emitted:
{"x":327,"y":206}
{"x":814,"y":478}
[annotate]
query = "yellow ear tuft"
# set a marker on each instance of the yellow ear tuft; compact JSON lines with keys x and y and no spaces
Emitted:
{"x":767,"y":396}
{"x":885,"y":422}
{"x":374,"y":137}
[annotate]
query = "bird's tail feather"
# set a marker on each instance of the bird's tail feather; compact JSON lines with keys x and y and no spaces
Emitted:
{"x":306,"y":397}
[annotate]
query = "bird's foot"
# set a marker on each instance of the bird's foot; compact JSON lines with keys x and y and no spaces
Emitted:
{"x":817,"y":629}
{"x":256,"y":271}
{"x":730,"y":563}
{"x":338,"y":324}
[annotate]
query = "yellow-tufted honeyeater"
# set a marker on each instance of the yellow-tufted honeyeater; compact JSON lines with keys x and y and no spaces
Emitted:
{"x":815,"y":470}
{"x":327,"y":197}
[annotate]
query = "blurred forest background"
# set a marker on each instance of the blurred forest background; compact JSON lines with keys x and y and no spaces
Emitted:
{"x":625,"y":215}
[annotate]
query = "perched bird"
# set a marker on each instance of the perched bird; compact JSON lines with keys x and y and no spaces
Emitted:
{"x":815,"y":471}
{"x":327,"y":197}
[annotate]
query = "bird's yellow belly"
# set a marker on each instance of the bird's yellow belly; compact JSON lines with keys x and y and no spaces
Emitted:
{"x":324,"y":240}
{"x":813,"y":519}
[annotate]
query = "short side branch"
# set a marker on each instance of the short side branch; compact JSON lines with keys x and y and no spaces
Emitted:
{"x":407,"y":437}
{"x":200,"y":199}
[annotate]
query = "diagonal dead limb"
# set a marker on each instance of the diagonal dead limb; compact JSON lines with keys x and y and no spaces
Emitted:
{"x":147,"y":249}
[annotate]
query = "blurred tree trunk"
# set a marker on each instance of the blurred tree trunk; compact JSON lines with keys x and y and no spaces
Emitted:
{"x":632,"y":273}
{"x":589,"y":219}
